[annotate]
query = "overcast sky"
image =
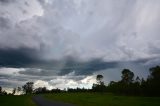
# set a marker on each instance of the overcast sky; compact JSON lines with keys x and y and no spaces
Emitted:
{"x":66,"y":43}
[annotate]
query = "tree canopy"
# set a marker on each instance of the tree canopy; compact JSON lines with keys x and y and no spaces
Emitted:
{"x":28,"y":87}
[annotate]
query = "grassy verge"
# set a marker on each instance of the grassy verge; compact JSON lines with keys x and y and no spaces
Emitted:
{"x":96,"y":99}
{"x":23,"y":100}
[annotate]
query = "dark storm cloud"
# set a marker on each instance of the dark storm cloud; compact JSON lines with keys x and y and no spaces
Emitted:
{"x":86,"y":68}
{"x":38,"y":35}
{"x":79,"y":68}
{"x":26,"y":58}
{"x":95,"y":65}
{"x":16,"y":57}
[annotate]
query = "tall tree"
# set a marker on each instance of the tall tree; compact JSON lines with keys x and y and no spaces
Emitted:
{"x":127,"y":76}
{"x":14,"y":91}
{"x":155,"y":73}
{"x":28,"y":87}
{"x":99,"y":79}
{"x":18,"y":89}
{"x":0,"y":89}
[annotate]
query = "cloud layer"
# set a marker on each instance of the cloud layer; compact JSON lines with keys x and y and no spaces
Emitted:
{"x":58,"y":37}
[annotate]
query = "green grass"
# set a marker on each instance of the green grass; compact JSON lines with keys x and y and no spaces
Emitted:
{"x":23,"y":100}
{"x":96,"y":99}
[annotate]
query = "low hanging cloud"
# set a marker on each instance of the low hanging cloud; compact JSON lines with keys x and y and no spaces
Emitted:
{"x":84,"y":29}
{"x":47,"y":38}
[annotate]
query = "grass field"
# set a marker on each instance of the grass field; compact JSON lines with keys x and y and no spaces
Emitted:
{"x":95,"y":99}
{"x":16,"y":101}
{"x":83,"y":99}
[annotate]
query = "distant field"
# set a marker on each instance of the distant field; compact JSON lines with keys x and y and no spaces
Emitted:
{"x":16,"y":101}
{"x":95,"y":99}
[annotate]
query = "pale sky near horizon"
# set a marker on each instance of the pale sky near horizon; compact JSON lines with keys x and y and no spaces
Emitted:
{"x":66,"y":43}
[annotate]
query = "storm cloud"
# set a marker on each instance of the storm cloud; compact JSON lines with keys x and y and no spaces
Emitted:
{"x":44,"y":39}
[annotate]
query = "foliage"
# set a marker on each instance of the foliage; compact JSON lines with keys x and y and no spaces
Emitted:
{"x":78,"y":90}
{"x":41,"y":90}
{"x":2,"y":92}
{"x":127,"y":76}
{"x":18,"y":89}
{"x":129,"y":86}
{"x":28,"y":87}
{"x":14,"y":91}
{"x":99,"y":79}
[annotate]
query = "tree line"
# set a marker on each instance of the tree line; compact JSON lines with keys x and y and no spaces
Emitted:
{"x":128,"y":85}
{"x":131,"y":85}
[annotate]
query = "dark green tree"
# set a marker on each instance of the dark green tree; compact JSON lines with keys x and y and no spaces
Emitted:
{"x":152,"y":85}
{"x":14,"y":91}
{"x":18,"y":89}
{"x":28,"y":87}
{"x":99,"y":87}
{"x":0,"y":89}
{"x":127,"y":76}
{"x":2,"y":92}
{"x":99,"y":79}
{"x":155,"y":73}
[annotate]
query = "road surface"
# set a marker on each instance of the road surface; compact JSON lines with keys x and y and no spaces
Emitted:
{"x":40,"y":101}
